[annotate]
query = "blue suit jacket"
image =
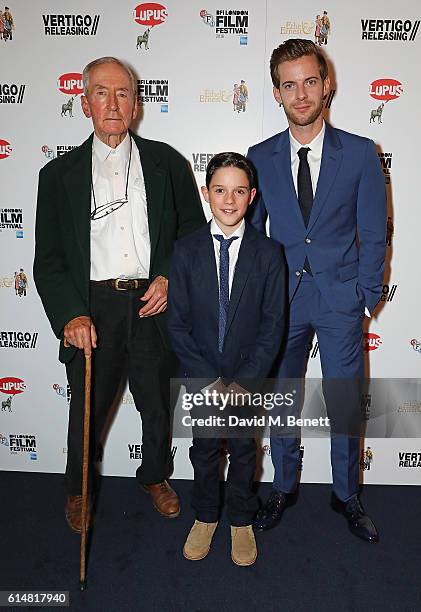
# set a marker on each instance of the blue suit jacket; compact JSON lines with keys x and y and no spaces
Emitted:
{"x":256,"y":314}
{"x":346,"y":235}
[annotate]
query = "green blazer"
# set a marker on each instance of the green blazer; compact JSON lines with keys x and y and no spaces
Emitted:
{"x":62,"y":230}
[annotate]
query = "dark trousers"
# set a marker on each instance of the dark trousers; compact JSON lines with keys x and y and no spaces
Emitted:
{"x":340,"y":338}
{"x":242,"y":503}
{"x":126,"y":344}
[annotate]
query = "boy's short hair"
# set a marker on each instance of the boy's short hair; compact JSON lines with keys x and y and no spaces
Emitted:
{"x":230,"y":159}
{"x":293,"y":49}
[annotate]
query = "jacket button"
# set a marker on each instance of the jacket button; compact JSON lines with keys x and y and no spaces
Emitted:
{"x":298,"y":273}
{"x":308,"y":240}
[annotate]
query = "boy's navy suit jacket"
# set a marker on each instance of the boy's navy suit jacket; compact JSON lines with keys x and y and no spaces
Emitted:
{"x":256,"y":315}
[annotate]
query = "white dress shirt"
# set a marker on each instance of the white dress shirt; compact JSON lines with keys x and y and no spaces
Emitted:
{"x":314,"y":157}
{"x":233,"y":250}
{"x":120,"y":243}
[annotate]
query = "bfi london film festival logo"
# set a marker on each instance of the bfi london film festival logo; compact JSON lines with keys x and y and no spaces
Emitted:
{"x":11,"y":219}
{"x":228,"y":23}
{"x":11,"y":93}
{"x":386,"y":164}
{"x":56,"y":151}
{"x":149,"y":14}
{"x":70,"y":25}
{"x":318,"y":28}
{"x":385,"y":91}
{"x":388,"y":293}
{"x":372,"y":342}
{"x":416,"y":345}
{"x":20,"y":444}
{"x":410,"y":460}
{"x":366,"y":458}
{"x":10,"y":386}
{"x":389,"y":29}
{"x":238,"y":96}
{"x":63,"y":391}
{"x":153,"y":91}
{"x":71,"y":84}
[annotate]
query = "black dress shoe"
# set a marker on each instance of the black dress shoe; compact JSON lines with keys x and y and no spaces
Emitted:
{"x":271,"y":513}
{"x":359,"y":522}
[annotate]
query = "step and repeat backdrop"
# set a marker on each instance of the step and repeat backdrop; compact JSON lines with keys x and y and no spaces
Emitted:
{"x":205,"y":87}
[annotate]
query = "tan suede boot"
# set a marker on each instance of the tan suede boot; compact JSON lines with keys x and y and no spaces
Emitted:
{"x":199,"y":540}
{"x":243,"y":545}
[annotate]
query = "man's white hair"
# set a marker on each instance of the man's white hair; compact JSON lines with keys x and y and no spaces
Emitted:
{"x":108,"y":60}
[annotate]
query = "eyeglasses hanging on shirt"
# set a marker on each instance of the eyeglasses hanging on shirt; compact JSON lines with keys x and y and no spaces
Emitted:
{"x":105,"y":209}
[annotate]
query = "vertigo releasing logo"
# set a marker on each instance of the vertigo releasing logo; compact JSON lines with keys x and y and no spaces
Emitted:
{"x":389,"y":29}
{"x":10,"y":93}
{"x":18,"y":339}
{"x":388,"y":293}
{"x":410,"y":460}
{"x":70,"y":25}
{"x":200,"y":161}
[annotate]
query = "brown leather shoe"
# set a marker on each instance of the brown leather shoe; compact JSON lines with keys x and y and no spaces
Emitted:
{"x":73,"y":513}
{"x":164,"y":499}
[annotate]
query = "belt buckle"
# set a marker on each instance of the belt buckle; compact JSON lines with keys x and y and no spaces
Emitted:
{"x":116,"y":285}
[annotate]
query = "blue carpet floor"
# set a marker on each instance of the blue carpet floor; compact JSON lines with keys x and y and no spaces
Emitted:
{"x":310,"y":562}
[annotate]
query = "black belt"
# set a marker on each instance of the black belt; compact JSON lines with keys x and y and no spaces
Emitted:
{"x":124,"y":284}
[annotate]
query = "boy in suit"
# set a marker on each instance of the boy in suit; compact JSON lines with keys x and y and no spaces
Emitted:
{"x":226,"y":320}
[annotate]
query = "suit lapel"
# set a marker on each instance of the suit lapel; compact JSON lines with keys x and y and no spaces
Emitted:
{"x":282,"y":162}
{"x":330,"y":164}
{"x":77,"y":182}
{"x":246,"y":257}
{"x":155,"y":182}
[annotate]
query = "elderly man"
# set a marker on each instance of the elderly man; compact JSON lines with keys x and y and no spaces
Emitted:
{"x":108,"y":214}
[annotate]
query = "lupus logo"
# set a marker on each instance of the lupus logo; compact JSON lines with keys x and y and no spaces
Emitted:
{"x":389,"y":29}
{"x":153,"y":91}
{"x":11,"y":93}
{"x":149,"y":14}
{"x":5,"y":149}
{"x":11,"y":385}
{"x":70,"y":25}
{"x":383,"y":90}
{"x":366,"y":458}
{"x":416,"y":345}
{"x":386,"y":163}
{"x":70,"y":83}
{"x":388,"y":293}
{"x":372,"y":342}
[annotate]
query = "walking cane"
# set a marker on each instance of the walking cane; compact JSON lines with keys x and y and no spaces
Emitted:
{"x":85,"y":466}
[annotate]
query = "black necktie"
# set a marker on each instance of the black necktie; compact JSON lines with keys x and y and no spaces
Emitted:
{"x":305,"y":192}
{"x":305,"y":189}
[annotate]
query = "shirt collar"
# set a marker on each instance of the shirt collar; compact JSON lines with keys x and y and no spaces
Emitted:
{"x":315,"y":145}
{"x":239,"y":232}
{"x":103,"y":151}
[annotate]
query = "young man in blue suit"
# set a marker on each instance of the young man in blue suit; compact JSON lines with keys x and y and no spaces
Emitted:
{"x":323,"y":191}
{"x":226,"y":315}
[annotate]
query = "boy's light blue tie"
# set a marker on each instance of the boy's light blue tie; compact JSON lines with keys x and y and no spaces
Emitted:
{"x":224,"y":266}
